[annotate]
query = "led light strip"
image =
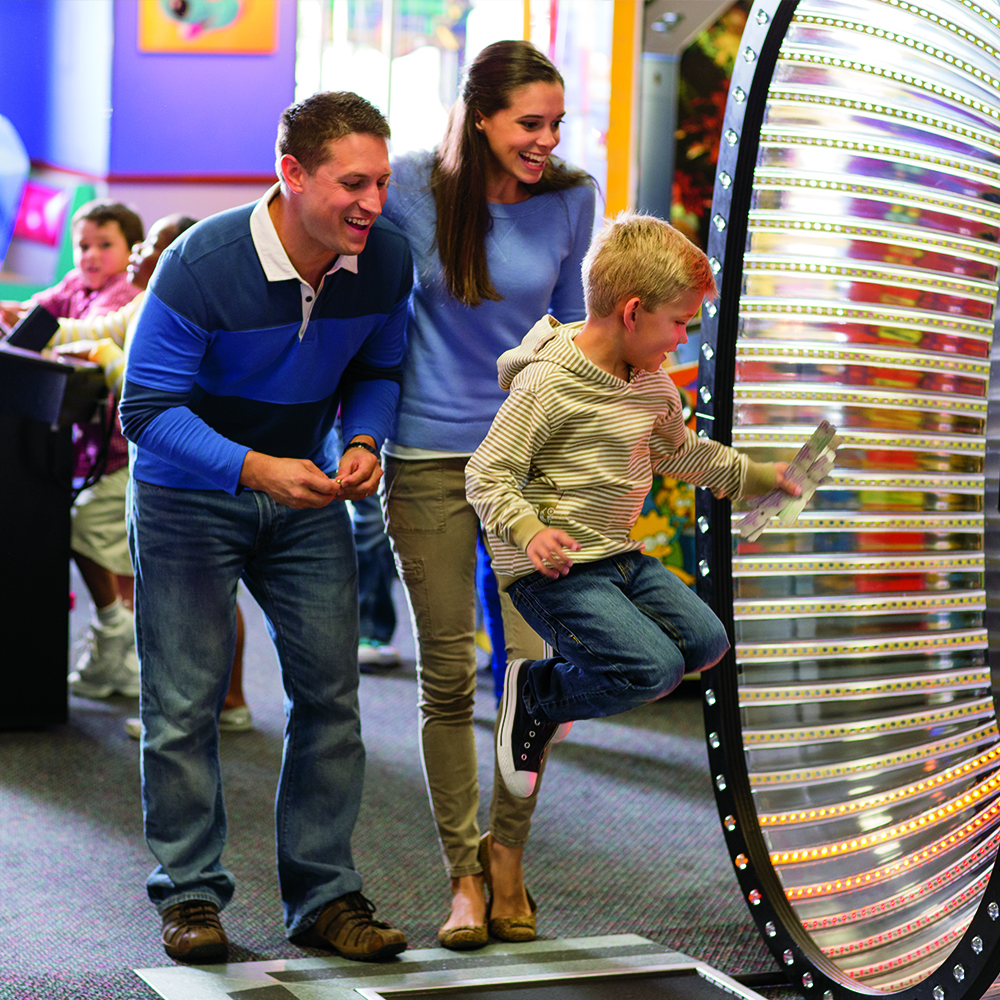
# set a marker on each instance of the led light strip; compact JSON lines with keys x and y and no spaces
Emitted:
{"x":768,"y":394}
{"x":768,"y":350}
{"x":942,"y":910}
{"x":820,"y":649}
{"x":768,"y":565}
{"x":803,"y":95}
{"x":856,"y":440}
{"x":897,"y":318}
{"x":989,"y":786}
{"x":803,"y":17}
{"x":798,"y":776}
{"x":838,"y":810}
{"x":945,"y":523}
{"x":792,"y":55}
{"x":928,"y":820}
{"x":947,"y":940}
{"x":981,"y":854}
{"x":759,"y":737}
{"x":941,"y":483}
{"x":773,"y":137}
{"x":966,"y":600}
{"x":924,"y":889}
{"x":901,"y":866}
{"x":783,"y":694}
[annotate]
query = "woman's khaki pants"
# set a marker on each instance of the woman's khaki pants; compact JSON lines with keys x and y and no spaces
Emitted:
{"x":433,"y":531}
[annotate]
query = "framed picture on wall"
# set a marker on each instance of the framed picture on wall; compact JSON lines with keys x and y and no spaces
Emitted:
{"x":237,"y":26}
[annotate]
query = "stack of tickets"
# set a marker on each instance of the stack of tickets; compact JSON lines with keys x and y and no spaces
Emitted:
{"x":807,"y":470}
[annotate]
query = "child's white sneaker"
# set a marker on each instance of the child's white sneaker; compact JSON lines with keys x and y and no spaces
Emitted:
{"x":109,"y":664}
{"x":521,"y":738}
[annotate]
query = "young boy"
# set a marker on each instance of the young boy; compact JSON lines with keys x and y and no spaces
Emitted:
{"x":565,"y":469}
{"x":103,"y":234}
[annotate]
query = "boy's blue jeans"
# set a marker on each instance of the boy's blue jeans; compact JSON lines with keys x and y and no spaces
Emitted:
{"x":190,"y":548}
{"x":625,"y":630}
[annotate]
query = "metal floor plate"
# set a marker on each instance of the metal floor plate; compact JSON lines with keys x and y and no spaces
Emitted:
{"x":538,"y":969}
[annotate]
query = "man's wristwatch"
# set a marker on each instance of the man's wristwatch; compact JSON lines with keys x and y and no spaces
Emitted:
{"x":365,"y":445}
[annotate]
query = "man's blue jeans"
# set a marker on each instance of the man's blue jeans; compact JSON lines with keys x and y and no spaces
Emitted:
{"x":625,"y":630}
{"x":190,"y":548}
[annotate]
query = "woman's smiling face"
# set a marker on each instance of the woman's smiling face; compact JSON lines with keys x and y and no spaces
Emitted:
{"x":522,"y":135}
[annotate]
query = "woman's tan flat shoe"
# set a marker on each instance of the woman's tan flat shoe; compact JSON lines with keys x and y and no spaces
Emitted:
{"x":464,"y":938}
{"x":512,"y":929}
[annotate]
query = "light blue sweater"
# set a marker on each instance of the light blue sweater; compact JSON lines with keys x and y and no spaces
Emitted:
{"x":450,"y":392}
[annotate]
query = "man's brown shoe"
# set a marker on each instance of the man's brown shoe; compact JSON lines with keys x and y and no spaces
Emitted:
{"x":192,"y":933}
{"x":346,"y":927}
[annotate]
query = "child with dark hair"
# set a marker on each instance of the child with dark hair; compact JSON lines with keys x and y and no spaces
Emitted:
{"x":103,"y":234}
{"x":95,"y":300}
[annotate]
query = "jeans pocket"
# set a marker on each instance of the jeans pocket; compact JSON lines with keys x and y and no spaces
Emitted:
{"x":414,"y":497}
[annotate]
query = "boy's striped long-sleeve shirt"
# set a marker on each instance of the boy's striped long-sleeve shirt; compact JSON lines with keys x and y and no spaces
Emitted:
{"x":575,"y":447}
{"x":111,"y":331}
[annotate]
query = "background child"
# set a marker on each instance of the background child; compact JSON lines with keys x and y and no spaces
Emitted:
{"x":103,"y":233}
{"x":566,"y":467}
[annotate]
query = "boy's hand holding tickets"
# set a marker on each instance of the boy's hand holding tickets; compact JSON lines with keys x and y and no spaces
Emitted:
{"x":807,"y":470}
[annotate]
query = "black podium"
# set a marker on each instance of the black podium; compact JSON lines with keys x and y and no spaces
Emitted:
{"x":40,"y":399}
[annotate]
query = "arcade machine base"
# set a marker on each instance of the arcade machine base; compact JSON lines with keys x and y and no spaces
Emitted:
{"x":619,"y":967}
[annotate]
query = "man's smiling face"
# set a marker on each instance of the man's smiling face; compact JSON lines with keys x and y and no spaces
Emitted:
{"x":344,"y":196}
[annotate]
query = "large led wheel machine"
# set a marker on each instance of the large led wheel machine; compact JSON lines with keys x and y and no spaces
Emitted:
{"x":852,"y":731}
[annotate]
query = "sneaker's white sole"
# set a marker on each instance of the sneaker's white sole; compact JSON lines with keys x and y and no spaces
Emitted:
{"x":520,"y":784}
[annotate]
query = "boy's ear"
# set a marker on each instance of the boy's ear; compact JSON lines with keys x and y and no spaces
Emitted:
{"x":628,"y":312}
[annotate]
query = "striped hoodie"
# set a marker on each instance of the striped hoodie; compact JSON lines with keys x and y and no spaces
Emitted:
{"x":574,"y":447}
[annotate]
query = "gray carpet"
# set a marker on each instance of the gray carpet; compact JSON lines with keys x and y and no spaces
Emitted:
{"x":626,"y":838}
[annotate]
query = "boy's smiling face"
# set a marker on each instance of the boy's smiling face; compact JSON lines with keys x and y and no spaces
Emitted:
{"x":99,"y":251}
{"x":652,"y":335}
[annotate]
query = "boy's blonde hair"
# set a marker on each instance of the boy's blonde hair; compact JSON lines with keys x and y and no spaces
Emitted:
{"x":640,"y":255}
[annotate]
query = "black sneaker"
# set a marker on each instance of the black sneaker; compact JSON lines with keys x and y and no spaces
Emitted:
{"x":521,"y":739}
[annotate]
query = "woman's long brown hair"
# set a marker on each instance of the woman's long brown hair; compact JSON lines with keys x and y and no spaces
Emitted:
{"x":458,"y":176}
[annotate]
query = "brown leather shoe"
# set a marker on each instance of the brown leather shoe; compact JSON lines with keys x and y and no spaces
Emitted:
{"x":192,"y":933}
{"x":346,"y":927}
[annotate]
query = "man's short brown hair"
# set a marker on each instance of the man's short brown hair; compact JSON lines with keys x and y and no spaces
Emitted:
{"x":306,"y":129}
{"x":643,"y":256}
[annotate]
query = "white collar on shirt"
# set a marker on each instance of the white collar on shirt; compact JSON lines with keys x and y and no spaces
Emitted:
{"x":273,"y":258}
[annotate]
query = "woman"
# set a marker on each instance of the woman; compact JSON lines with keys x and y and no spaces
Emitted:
{"x":498,"y":230}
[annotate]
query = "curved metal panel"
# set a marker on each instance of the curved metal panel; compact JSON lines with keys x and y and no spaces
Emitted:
{"x":852,"y":732}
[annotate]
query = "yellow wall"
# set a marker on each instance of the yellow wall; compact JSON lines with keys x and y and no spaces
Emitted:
{"x":623,"y":146}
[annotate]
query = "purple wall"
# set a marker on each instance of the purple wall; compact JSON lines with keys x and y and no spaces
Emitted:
{"x":196,"y":115}
{"x":24,"y":79}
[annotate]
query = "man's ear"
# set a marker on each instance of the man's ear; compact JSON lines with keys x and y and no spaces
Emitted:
{"x":292,"y":173}
{"x":629,"y":311}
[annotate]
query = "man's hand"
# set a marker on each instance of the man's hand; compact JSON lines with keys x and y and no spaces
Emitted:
{"x":546,"y":550}
{"x":359,"y":472}
{"x":292,"y":482}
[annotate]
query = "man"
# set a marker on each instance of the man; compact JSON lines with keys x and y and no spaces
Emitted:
{"x":258,"y":325}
